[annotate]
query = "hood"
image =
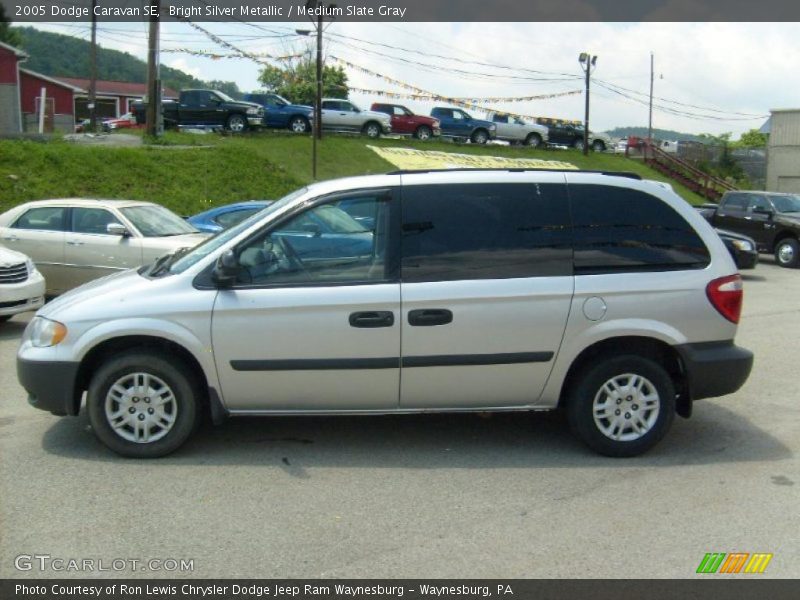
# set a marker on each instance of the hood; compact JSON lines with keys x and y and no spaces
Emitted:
{"x":792,"y":219}
{"x":300,"y":107}
{"x":92,"y":289}
{"x":244,"y":104}
{"x":733,"y":235}
{"x":11,"y":257}
{"x":179,"y":241}
{"x":376,"y":115}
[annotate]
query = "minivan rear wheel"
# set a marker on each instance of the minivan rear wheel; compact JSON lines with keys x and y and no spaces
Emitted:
{"x":143,"y":404}
{"x":621,"y":406}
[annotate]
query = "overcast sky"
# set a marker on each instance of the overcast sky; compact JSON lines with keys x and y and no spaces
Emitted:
{"x":726,"y":70}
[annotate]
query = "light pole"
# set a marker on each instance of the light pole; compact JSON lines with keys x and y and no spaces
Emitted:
{"x":587,"y":62}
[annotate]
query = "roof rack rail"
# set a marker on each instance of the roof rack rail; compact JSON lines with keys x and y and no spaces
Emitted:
{"x":627,"y":174}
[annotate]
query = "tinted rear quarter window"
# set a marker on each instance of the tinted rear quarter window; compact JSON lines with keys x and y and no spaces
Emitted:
{"x":486,"y":231}
{"x":736,"y":201}
{"x":617,"y":229}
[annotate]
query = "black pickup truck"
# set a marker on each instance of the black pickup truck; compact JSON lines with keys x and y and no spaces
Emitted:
{"x":771,"y":219}
{"x":206,"y":108}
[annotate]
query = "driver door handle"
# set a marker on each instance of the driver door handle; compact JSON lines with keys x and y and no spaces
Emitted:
{"x":430,"y":317}
{"x":372,"y":319}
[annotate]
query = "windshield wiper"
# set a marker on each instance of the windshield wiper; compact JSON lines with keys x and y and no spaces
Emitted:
{"x":163,"y":263}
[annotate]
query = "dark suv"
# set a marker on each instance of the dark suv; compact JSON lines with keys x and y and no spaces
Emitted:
{"x":771,"y":219}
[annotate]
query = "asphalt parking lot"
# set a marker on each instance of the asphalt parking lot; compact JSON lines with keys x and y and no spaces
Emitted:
{"x":510,"y":495}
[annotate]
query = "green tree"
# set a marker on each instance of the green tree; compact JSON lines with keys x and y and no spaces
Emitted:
{"x":752,"y":139}
{"x":7,"y":35}
{"x":228,"y":87}
{"x":297,"y":80}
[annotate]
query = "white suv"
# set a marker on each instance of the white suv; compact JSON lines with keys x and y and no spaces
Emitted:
{"x":343,"y":115}
{"x":452,"y":291}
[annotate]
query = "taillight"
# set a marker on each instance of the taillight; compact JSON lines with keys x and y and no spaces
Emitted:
{"x":725,"y":294}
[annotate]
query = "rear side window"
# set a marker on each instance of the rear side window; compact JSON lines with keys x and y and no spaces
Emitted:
{"x":618,"y":229}
{"x":488,"y":231}
{"x":46,"y":218}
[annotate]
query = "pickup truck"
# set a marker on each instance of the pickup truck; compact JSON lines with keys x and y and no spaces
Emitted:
{"x":572,"y":137}
{"x":206,"y":108}
{"x":406,"y":122}
{"x":343,"y":115}
{"x":456,"y":123}
{"x":514,"y":130}
{"x":279,"y":112}
{"x":771,"y":219}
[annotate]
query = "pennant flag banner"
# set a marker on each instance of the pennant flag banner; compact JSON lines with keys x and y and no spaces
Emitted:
{"x":406,"y":158}
{"x":471,"y":103}
{"x":239,"y":54}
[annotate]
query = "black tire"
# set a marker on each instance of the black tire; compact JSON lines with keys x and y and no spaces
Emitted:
{"x":578,"y":144}
{"x":599,"y":146}
{"x":787,"y":253}
{"x":589,"y":385}
{"x":299,"y":125}
{"x":534,"y":140}
{"x":372,"y":130}
{"x":480,"y":136}
{"x":423,"y":133}
{"x":172,"y":372}
{"x":236,"y":123}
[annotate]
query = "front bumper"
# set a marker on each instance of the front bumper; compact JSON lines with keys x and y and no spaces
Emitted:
{"x":715,"y":368}
{"x":50,"y":385}
{"x":21,"y":297}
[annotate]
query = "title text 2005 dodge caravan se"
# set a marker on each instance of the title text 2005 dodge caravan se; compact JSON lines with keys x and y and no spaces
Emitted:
{"x":452,"y":291}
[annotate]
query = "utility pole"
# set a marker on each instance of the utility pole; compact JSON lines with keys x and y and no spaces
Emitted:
{"x":93,"y":73}
{"x":652,"y":80}
{"x":153,"y":79}
{"x":587,"y":62}
{"x":318,"y":103}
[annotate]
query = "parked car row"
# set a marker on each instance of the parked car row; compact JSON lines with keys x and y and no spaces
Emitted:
{"x":210,"y":108}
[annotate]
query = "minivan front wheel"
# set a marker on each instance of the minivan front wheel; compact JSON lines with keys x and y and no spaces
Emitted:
{"x":622,"y":406}
{"x":142,"y":404}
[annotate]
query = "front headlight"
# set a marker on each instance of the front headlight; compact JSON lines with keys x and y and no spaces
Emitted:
{"x":743,"y":245}
{"x":492,"y":127}
{"x":30,"y":266}
{"x":253,"y":111}
{"x":45,"y":332}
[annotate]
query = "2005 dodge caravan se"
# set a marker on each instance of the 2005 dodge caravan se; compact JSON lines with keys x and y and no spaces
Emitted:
{"x":468,"y":291}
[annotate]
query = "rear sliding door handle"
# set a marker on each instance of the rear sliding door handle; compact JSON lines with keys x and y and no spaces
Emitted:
{"x":429,"y":317}
{"x":372,"y":319}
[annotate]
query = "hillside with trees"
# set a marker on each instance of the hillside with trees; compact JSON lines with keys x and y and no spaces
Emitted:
{"x":55,"y":54}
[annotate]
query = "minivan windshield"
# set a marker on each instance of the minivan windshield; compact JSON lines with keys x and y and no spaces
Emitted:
{"x":210,"y":245}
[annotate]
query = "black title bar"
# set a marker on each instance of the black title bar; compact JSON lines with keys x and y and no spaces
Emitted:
{"x":391,"y":589}
{"x":406,"y":10}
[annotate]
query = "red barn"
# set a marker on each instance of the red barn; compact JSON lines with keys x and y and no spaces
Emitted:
{"x":113,"y":98}
{"x":10,"y":113}
{"x":59,"y":102}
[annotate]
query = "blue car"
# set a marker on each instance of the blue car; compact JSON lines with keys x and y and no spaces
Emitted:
{"x":280,"y":113}
{"x":216,"y":219}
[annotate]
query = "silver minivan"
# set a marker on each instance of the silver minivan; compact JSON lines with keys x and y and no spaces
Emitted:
{"x":456,"y":290}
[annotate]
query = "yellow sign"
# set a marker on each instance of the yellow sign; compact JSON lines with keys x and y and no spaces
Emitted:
{"x":408,"y":159}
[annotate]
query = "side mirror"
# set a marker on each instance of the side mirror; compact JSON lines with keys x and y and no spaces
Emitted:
{"x":226,"y":270}
{"x":118,"y":229}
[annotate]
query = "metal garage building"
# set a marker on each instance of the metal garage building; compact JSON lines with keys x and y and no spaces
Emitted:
{"x":783,"y":155}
